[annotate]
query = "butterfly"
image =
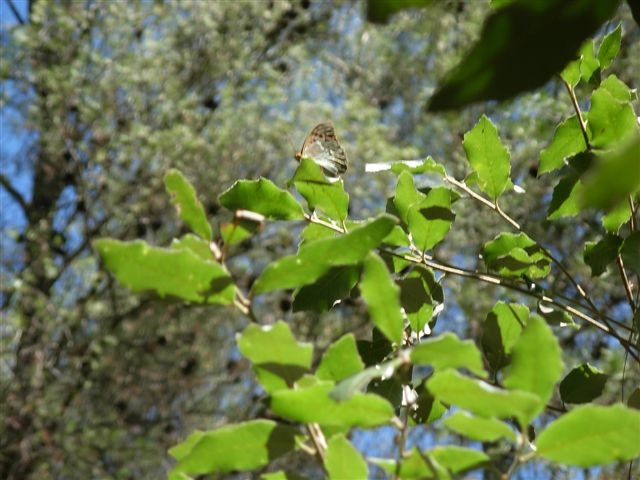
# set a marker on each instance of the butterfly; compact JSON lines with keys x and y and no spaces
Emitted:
{"x":321,"y":145}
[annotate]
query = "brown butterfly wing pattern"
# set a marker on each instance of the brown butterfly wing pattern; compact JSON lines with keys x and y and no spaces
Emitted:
{"x":322,"y":146}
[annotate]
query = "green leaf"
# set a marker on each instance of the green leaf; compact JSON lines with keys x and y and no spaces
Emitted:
{"x":382,"y":297}
{"x":516,"y":255}
{"x":319,"y":192}
{"x":610,"y":119}
{"x":351,"y":248}
{"x":615,"y":175}
{"x":565,"y":198}
{"x":406,"y":195}
{"x":324,"y":292}
{"x":477,"y":428}
{"x":341,"y":360}
{"x":501,"y":330}
{"x":616,"y":216}
{"x":314,"y":259}
{"x":448,"y":351}
{"x":457,"y":459}
{"x":536,"y":362}
{"x":598,"y":255}
{"x":591,"y":435}
{"x":415,"y":464}
{"x":239,"y":230}
{"x":567,"y":141}
{"x":520,"y":48}
{"x":589,"y":65}
{"x":264,"y":197}
{"x":278,"y":359}
{"x":488,"y":157}
{"x":243,"y":446}
{"x":180,"y":273}
{"x":380,"y":12}
{"x":481,"y":398}
{"x":428,"y":166}
{"x":630,"y":252}
{"x":430,"y":220}
{"x":349,"y":386}
{"x":418,"y":290}
{"x":185,"y":199}
{"x":618,"y":89}
{"x":197,"y":245}
{"x":428,"y":217}
{"x":571,"y":73}
{"x":427,"y":408}
{"x":609,"y":47}
{"x":583,"y":384}
{"x":343,"y":460}
{"x":314,"y":404}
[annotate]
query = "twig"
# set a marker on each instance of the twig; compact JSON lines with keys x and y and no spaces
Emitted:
{"x":576,"y":107}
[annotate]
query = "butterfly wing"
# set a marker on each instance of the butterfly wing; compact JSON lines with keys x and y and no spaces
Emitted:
{"x":322,"y":146}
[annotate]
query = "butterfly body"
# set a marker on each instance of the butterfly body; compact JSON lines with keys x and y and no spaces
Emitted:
{"x":322,"y":146}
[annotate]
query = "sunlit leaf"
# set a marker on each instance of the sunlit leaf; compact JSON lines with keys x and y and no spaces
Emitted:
{"x":319,"y":192}
{"x":610,"y":119}
{"x":314,"y":404}
{"x":264,"y":197}
{"x":615,"y":175}
{"x":341,"y":360}
{"x":488,"y":157}
{"x":314,"y":259}
{"x":343,"y":461}
{"x":591,"y":435}
{"x":478,"y":428}
{"x":242,"y":447}
{"x":185,"y":199}
{"x":277,"y":357}
{"x":382,"y":297}
{"x":179,"y":273}
{"x":448,"y":351}
{"x":480,"y":398}
{"x":567,"y":141}
{"x":536,"y":362}
{"x":609,"y":47}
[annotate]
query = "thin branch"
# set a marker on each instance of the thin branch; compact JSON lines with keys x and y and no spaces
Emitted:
{"x":402,"y":440}
{"x":497,"y":280}
{"x":576,"y":107}
{"x":15,"y":194}
{"x":625,"y":282}
{"x":15,"y":12}
{"x":318,"y":440}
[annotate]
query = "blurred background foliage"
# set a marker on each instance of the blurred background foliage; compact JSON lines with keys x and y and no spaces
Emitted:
{"x":100,"y":98}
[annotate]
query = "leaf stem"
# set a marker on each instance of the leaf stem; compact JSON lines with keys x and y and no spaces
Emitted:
{"x":581,"y":121}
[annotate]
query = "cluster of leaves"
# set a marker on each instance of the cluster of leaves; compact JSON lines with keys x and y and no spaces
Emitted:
{"x":494,"y":390}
